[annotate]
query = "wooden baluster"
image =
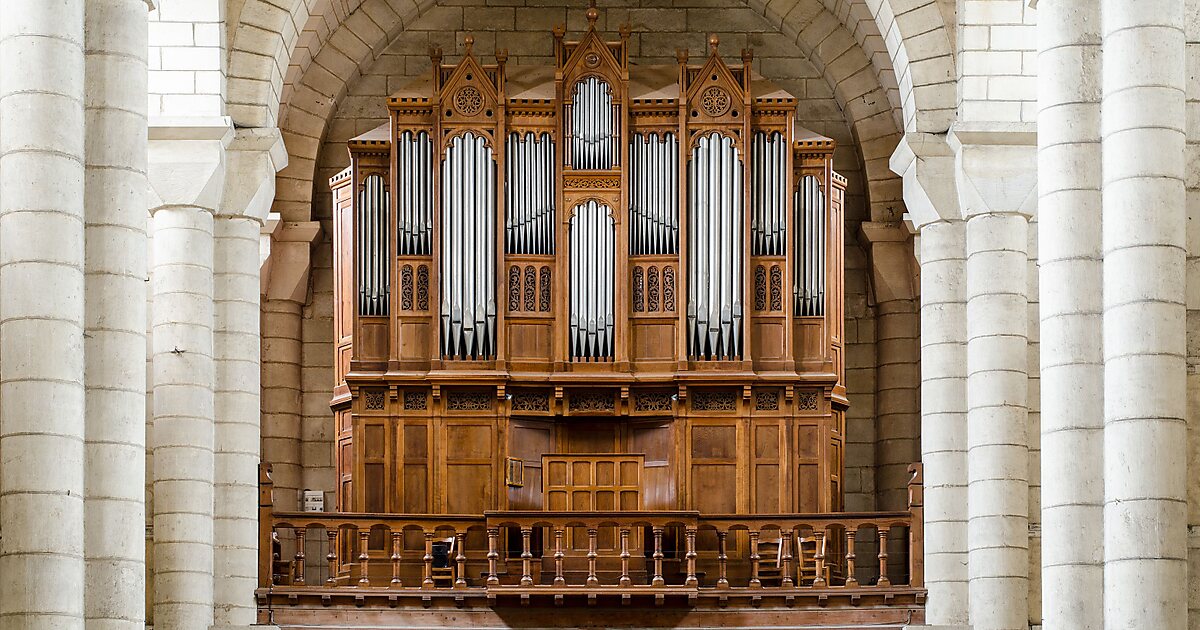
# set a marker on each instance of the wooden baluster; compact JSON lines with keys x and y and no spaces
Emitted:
{"x":460,"y":577}
{"x":883,"y":557}
{"x":364,"y":559}
{"x":526,"y":557}
{"x":722,"y":581}
{"x":493,"y":533}
{"x":850,"y":579}
{"x":691,"y":558}
{"x":658,"y":558}
{"x":298,"y":578}
{"x":755,"y":581}
{"x":819,"y":556}
{"x":592,"y":580}
{"x":331,"y":558}
{"x":785,"y":558}
{"x":427,"y":581}
{"x":625,"y":581}
{"x":397,"y":544}
{"x":559,"y":580}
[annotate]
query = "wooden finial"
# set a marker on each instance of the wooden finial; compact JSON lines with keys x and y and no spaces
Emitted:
{"x":713,"y":42}
{"x":435,"y":53}
{"x":593,"y":13}
{"x":681,"y":55}
{"x":502,"y":56}
{"x":747,"y":55}
{"x":468,"y":43}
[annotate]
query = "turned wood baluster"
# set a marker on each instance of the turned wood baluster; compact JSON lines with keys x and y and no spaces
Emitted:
{"x":526,"y":557}
{"x":559,"y":580}
{"x":658,"y":557}
{"x":691,"y":558}
{"x":625,"y":581}
{"x":755,"y":582}
{"x":883,"y":557}
{"x":364,"y":559}
{"x":460,"y":580}
{"x":298,"y":578}
{"x":722,"y":581}
{"x":819,"y":556}
{"x":850,"y":579}
{"x":427,"y":581}
{"x":331,"y":557}
{"x":493,"y":533}
{"x":785,"y":558}
{"x":397,"y":544}
{"x":592,"y":580}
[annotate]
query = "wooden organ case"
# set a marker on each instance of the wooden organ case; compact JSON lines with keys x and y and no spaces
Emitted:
{"x":593,"y":286}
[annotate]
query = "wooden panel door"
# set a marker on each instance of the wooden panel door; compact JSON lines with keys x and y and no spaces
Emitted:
{"x":582,"y":483}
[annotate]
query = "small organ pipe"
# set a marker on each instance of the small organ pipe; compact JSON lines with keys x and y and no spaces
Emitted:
{"x":592,"y":242}
{"x":372,"y":257}
{"x":715,"y":239}
{"x":654,"y":178}
{"x":414,"y":216}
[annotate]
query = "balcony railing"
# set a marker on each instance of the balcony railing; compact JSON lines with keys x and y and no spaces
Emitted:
{"x":684,"y":557}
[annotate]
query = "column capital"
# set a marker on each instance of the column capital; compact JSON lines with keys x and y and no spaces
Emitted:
{"x":995,"y":168}
{"x":186,"y":160}
{"x":925,"y":163}
{"x":285,"y":258}
{"x":255,"y":155}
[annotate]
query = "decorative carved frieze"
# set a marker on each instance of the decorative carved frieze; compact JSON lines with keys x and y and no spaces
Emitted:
{"x":714,"y":401}
{"x":599,"y":400}
{"x":652,"y":401}
{"x":469,"y":401}
{"x":530,"y":400}
{"x":766,"y":400}
{"x":373,"y":399}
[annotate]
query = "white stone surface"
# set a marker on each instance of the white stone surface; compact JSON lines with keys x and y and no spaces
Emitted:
{"x":1145,"y":432}
{"x":116,"y":268}
{"x":1072,"y":366}
{"x":42,"y":313}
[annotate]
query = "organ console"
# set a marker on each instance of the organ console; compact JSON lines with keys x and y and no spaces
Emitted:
{"x":624,"y":280}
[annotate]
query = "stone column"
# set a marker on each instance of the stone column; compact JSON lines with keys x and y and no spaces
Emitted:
{"x":996,"y":187}
{"x":115,"y":215}
{"x":1145,"y":431}
{"x":1072,"y":360}
{"x":254,"y":157}
{"x":286,"y":291}
{"x":42,"y":313}
{"x":1192,"y":177}
{"x":926,"y":164}
{"x":187,"y":167}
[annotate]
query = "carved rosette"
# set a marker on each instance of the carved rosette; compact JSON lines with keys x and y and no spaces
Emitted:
{"x":715,"y":101}
{"x":468,"y":101}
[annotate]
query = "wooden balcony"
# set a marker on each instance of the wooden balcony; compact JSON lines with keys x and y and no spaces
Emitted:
{"x":519,"y":568}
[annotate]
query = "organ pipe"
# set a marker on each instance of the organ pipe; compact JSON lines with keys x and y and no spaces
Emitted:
{"x":468,"y":254}
{"x":810,"y":248}
{"x":595,"y":126}
{"x":769,"y":194}
{"x":372,"y":248}
{"x":529,"y":194}
{"x":715,"y":273}
{"x":592,"y":242}
{"x":415,"y":179}
{"x":654,"y":194}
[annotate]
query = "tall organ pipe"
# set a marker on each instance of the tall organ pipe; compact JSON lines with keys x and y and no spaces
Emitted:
{"x":591,"y":319}
{"x":715,"y":275}
{"x":654,"y":197}
{"x":468,"y":258}
{"x":529,"y":184}
{"x":415,"y":174}
{"x":594,"y":125}
{"x":769,"y":196}
{"x":372,"y":247}
{"x":810,"y":248}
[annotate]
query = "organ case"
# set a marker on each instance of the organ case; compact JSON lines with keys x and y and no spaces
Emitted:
{"x":595,"y":266}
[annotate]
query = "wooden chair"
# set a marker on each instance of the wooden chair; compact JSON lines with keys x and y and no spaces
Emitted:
{"x":443,"y":562}
{"x":806,"y":560}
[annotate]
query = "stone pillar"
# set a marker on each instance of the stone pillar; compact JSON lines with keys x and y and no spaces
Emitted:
{"x":996,"y":186}
{"x":42,"y":313}
{"x":187,"y":168}
{"x":285,"y":291}
{"x":897,"y":412}
{"x":115,"y":216}
{"x":926,"y":164}
{"x":1145,"y":431}
{"x":1072,"y":359}
{"x":1192,"y":177}
{"x":254,"y":157}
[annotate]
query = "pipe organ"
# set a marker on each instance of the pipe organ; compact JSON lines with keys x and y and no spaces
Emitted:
{"x":624,"y":265}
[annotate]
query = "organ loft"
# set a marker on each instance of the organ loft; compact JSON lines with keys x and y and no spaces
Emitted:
{"x":589,"y":337}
